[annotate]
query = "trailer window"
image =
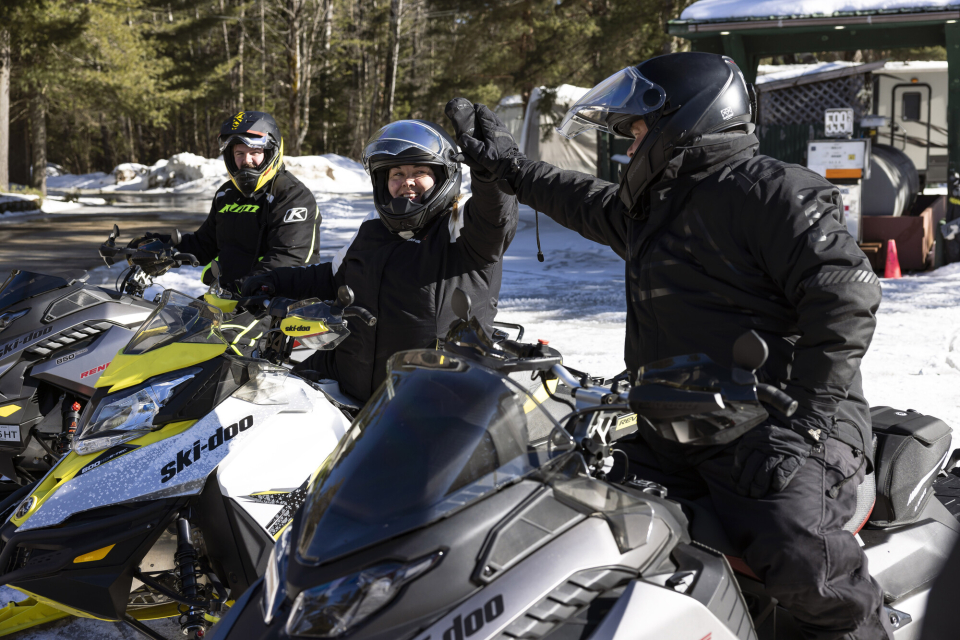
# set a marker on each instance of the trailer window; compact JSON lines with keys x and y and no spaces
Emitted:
{"x":911,"y":106}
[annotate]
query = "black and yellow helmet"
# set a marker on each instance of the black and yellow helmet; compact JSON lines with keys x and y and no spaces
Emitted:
{"x":258,"y":130}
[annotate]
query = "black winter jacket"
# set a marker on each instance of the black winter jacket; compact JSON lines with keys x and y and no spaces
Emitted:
{"x":408,"y":284}
{"x":730,"y":241}
{"x":278,"y":227}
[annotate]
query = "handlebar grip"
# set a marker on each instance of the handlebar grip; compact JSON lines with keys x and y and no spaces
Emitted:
{"x":359,"y":312}
{"x":768,"y":394}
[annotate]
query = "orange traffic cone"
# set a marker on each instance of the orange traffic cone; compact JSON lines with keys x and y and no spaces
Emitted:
{"x":892,"y":268}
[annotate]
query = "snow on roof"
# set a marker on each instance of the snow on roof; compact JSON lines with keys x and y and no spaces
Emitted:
{"x":916,"y":65}
{"x":767,"y":73}
{"x":745,"y":9}
{"x":774,"y":72}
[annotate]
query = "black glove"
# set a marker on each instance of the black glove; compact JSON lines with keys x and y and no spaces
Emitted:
{"x":162,"y":237}
{"x":488,"y":148}
{"x":264,"y":283}
{"x":767,"y":458}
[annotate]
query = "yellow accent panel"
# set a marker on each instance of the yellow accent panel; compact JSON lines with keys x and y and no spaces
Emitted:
{"x":625,"y":421}
{"x":18,"y":616}
{"x":9,"y":410}
{"x":70,"y":465}
{"x":227,"y":306}
{"x":297,"y":327}
{"x":541,"y":395}
{"x":93,"y":556}
{"x":129,"y":370}
{"x":52,"y":604}
{"x":158,"y":612}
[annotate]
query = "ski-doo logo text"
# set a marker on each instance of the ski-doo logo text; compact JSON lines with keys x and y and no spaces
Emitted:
{"x":294,"y":327}
{"x":23,"y":340}
{"x":465,"y":626}
{"x":221,"y":435}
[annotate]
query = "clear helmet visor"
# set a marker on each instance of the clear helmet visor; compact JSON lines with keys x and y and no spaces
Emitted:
{"x":250,"y":139}
{"x":625,"y":92}
{"x":398,"y":137}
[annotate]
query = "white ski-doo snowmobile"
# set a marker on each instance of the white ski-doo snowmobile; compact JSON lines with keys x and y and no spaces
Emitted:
{"x":457,"y":508}
{"x":57,"y":335}
{"x":188,"y":462}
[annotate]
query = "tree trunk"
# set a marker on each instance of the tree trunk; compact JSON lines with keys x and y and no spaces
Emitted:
{"x":131,"y":150}
{"x":226,"y":49}
{"x":263,"y":60}
{"x":393,"y":55}
{"x":243,"y":10}
{"x":4,"y":110}
{"x":38,"y":143}
{"x":325,"y":74}
{"x":294,"y":62}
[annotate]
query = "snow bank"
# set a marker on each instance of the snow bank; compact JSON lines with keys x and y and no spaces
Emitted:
{"x":743,"y":9}
{"x":187,"y":173}
{"x":18,"y":204}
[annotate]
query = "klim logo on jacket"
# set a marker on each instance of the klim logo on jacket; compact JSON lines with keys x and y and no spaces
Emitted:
{"x":239,"y":208}
{"x":298,"y":214}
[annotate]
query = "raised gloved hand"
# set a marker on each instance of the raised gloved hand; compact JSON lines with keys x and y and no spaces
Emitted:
{"x":488,"y":148}
{"x":264,"y":283}
{"x":767,"y":458}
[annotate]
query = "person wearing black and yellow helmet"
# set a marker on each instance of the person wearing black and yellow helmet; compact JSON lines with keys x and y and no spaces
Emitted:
{"x":263,"y":217}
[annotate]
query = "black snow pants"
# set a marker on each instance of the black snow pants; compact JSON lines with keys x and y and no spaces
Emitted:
{"x":793,"y":540}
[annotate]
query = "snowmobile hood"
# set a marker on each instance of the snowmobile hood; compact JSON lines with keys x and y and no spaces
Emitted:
{"x":440,"y":433}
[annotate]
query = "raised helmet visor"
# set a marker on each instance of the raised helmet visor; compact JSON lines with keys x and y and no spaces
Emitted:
{"x":626,"y":92}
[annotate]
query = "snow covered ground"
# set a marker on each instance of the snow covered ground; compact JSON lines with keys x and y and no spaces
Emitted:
{"x":576,"y":300}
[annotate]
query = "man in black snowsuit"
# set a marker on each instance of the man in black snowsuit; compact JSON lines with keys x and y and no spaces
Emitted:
{"x":263,"y":217}
{"x":718,"y":241}
{"x":409,"y":256}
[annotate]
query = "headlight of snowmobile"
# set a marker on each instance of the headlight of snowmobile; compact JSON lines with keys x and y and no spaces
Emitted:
{"x":127,"y":414}
{"x":333,"y":609}
{"x":273,"y":579}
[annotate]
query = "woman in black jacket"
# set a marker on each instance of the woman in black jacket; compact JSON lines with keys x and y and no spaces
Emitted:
{"x":408,"y":256}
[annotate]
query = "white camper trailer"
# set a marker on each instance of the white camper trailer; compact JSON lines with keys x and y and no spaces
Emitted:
{"x":535,"y":128}
{"x":912,"y":96}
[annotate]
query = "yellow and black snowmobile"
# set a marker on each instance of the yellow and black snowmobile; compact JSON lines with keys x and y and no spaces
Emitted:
{"x":189,"y":462}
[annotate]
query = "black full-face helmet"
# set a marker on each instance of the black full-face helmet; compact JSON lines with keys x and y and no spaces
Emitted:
{"x":680,"y":96}
{"x":258,"y":130}
{"x":415,"y":142}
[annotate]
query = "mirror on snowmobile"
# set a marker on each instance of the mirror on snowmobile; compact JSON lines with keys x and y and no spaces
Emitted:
{"x":345,"y":296}
{"x":750,"y":351}
{"x":113,"y":235}
{"x":461,"y":304}
{"x":215,"y":271}
{"x":175,"y":237}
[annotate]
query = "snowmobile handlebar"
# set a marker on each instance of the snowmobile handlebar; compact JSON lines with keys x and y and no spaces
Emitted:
{"x":769,"y":394}
{"x":359,"y":312}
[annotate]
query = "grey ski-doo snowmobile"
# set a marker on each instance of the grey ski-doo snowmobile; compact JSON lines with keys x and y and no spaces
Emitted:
{"x":456,"y":507}
{"x":57,"y":336}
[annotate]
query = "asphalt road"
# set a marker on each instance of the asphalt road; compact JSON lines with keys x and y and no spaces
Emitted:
{"x":67,"y":242}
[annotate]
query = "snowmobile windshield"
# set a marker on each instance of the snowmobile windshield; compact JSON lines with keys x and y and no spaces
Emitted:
{"x":20,"y":286}
{"x":405,"y":135}
{"x":179,"y":318}
{"x":625,"y":92}
{"x":439,"y":434}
